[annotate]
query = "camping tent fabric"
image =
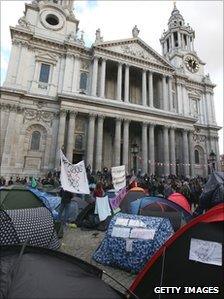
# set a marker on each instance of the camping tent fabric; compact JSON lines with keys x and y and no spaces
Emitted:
{"x":113,"y":250}
{"x":48,"y":274}
{"x":17,"y":197}
{"x":213,"y":191}
{"x":50,"y":201}
{"x":186,"y":272}
{"x":35,"y":225}
{"x":181,"y":200}
{"x":132,"y":195}
{"x":161,"y":207}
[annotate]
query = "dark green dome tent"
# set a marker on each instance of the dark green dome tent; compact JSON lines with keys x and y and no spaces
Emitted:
{"x":18,"y":197}
{"x":37,"y":273}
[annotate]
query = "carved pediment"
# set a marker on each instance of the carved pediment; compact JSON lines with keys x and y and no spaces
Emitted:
{"x":134,"y":48}
{"x":47,"y":57}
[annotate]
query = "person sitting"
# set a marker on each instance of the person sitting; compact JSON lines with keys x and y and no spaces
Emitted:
{"x":99,"y":191}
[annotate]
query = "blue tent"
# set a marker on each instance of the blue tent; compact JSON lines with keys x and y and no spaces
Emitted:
{"x":131,"y":240}
{"x":50,"y":201}
{"x":161,"y":207}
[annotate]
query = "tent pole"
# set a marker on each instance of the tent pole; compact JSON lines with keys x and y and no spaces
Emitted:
{"x":15,"y":267}
{"x":162,"y":271}
{"x":127,"y":290}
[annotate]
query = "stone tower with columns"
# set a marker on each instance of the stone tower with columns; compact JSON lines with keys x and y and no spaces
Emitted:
{"x":98,"y":103}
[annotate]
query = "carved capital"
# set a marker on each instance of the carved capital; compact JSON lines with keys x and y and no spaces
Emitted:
{"x":63,"y":112}
{"x":73,"y":113}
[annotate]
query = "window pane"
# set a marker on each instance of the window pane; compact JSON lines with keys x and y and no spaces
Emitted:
{"x":35,"y":141}
{"x":79,"y":142}
{"x":44,"y":73}
{"x":196,"y":157}
{"x":83,"y":81}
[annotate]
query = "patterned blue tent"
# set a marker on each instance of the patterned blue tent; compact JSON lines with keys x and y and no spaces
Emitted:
{"x":131,"y":240}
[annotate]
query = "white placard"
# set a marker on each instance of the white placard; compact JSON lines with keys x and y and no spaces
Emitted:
{"x":120,"y":232}
{"x":121,"y":221}
{"x":141,"y":233}
{"x":73,"y":176}
{"x":207,"y":252}
{"x":129,"y":245}
{"x":136,"y":223}
{"x":118,"y":177}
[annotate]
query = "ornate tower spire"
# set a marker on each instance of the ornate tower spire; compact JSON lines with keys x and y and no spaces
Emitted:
{"x":178,"y":37}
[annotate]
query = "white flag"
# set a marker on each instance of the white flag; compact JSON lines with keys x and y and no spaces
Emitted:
{"x":118,"y":177}
{"x":73,"y":176}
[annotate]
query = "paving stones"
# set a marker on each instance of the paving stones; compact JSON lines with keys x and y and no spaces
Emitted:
{"x":82,"y":244}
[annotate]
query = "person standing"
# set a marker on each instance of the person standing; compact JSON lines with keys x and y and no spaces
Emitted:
{"x":66,"y":197}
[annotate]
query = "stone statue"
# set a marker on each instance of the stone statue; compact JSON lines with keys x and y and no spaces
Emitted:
{"x":99,"y":38}
{"x":23,"y":22}
{"x":135,"y":31}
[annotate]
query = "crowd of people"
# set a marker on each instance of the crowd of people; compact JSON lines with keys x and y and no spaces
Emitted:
{"x":101,"y":182}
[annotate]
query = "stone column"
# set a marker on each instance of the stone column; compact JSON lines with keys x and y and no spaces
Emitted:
{"x":94,"y":76}
{"x":21,"y":79}
{"x":117,"y":142}
{"x":102,"y":79}
{"x":191,"y":153}
{"x":151,"y":149}
{"x":166,"y":151}
{"x":71,"y":135}
{"x":185,"y":153}
{"x":151,"y":89}
{"x":67,"y":84}
{"x":90,"y":141}
{"x":119,"y":81}
{"x":75,"y":81}
{"x":179,"y":39}
{"x":9,"y":136}
{"x":144,"y":148}
{"x":212,"y":108}
{"x":13,"y":63}
{"x":172,"y":151}
{"x":172,"y":41}
{"x":170,"y":105}
{"x":179,"y":99}
{"x":144,"y":92}
{"x":99,"y":143}
{"x":165,"y":100}
{"x":61,"y":136}
{"x":126,"y":144}
{"x":126,"y":84}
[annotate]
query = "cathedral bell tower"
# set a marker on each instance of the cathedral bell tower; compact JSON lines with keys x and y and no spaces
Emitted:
{"x":178,"y":46}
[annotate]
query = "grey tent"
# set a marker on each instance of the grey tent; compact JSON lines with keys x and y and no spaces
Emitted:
{"x":37,"y":273}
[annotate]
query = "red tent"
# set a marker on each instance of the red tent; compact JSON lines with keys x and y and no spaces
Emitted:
{"x":177,"y":264}
{"x":181,"y":200}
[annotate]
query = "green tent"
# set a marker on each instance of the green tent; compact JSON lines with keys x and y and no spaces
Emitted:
{"x":18,"y":197}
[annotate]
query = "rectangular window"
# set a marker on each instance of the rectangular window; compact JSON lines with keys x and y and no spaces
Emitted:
{"x":83,"y":81}
{"x":44,"y":73}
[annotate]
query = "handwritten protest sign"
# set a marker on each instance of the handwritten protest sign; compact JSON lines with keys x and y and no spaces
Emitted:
{"x":73,"y":176}
{"x":118,"y":177}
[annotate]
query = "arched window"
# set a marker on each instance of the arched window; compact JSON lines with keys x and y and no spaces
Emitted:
{"x":196,"y":157}
{"x":35,"y":141}
{"x":83,"y":81}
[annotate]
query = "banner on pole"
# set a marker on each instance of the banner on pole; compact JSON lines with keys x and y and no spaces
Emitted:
{"x":118,"y":177}
{"x":73,"y":176}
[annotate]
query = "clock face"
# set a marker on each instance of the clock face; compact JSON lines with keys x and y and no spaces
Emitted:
{"x":191,"y":64}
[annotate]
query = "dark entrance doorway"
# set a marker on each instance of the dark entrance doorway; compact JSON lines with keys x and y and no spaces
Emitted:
{"x":77,"y":157}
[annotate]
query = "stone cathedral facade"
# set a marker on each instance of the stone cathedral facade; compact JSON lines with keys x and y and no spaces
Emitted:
{"x":96,"y":103}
